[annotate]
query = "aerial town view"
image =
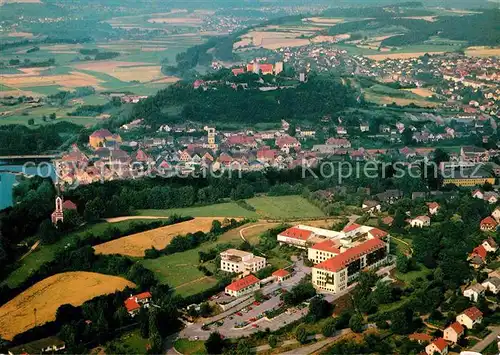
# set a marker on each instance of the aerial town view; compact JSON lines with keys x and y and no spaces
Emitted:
{"x":250,"y":177}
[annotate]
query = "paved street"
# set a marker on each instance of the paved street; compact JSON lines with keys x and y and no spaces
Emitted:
{"x":492,"y":337}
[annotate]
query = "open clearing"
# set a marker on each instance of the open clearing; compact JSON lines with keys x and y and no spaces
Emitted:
{"x":323,"y":20}
{"x":32,"y":78}
{"x":379,"y":57}
{"x":421,"y":92}
{"x":276,"y":207}
{"x":16,"y":316}
{"x":274,"y":39}
{"x":125,"y":71}
{"x":136,"y":244}
{"x":483,"y":51}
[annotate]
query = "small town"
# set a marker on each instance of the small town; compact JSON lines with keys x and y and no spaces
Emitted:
{"x":249,"y":178}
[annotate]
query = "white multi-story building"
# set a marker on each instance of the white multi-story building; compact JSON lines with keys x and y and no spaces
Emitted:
{"x":338,"y":260}
{"x":243,"y":286}
{"x":238,"y":261}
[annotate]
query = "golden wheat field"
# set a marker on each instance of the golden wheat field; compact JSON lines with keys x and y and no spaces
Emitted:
{"x":17,"y":315}
{"x":136,"y":244}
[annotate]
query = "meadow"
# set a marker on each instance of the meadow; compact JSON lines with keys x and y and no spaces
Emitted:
{"x":266,"y":207}
{"x":17,"y":315}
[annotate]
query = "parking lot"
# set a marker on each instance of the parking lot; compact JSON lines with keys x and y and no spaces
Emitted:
{"x":231,"y":324}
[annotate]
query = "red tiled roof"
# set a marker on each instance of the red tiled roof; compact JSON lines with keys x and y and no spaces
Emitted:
{"x":420,"y":337}
{"x":433,"y":205}
{"x":457,"y":327}
{"x":131,"y":304}
{"x":296,"y":233}
{"x":237,"y":71}
{"x":377,"y":233}
{"x":266,"y":67}
{"x":281,"y":141}
{"x":327,"y":245}
{"x":473,"y":313}
{"x":102,"y":133}
{"x":480,"y":251}
{"x":342,"y":260}
{"x":440,"y":343}
{"x":489,"y":221}
{"x":143,"y":295}
{"x":281,"y":273}
{"x":388,"y":220}
{"x":68,"y":205}
{"x":351,"y":227}
{"x":242,"y":283}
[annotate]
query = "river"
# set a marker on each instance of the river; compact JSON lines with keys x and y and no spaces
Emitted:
{"x":8,"y":178}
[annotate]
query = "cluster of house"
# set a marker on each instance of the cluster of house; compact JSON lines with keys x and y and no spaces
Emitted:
{"x":478,"y":256}
{"x":451,"y":334}
{"x":338,"y":256}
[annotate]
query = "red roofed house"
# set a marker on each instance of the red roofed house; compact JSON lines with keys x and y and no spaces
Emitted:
{"x":266,"y":155}
{"x":421,"y":338}
{"x":134,"y":303}
{"x":332,"y":275}
{"x":238,"y":71}
{"x":433,"y":207}
{"x":295,"y":236}
{"x":470,"y":317}
{"x":323,"y":251}
{"x":488,"y":224}
{"x":285,"y":143}
{"x":281,"y":275}
{"x":98,"y":138}
{"x":453,"y":332}
{"x":439,"y":345}
{"x":243,"y":286}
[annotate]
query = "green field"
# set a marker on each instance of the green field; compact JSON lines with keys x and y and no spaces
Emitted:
{"x":188,"y":347}
{"x":128,"y":343}
{"x":45,"y":253}
{"x":280,"y":207}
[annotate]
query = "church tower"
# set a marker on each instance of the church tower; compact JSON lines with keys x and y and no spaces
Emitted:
{"x":58,"y":214}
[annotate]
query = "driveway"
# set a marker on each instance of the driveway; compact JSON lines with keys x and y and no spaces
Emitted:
{"x":495,"y":331}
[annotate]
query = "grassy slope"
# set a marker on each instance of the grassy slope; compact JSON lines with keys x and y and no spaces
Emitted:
{"x":280,"y":207}
{"x":46,"y":253}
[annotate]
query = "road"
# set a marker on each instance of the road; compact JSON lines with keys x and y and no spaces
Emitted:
{"x":495,"y":331}
{"x":309,"y":349}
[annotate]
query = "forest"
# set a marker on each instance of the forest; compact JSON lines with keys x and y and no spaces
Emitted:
{"x":311,"y":100}
{"x":479,"y":29}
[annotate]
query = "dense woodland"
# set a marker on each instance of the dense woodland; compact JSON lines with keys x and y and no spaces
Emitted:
{"x":312,"y":100}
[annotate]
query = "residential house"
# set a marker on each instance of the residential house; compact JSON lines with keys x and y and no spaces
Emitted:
{"x":388,"y":220}
{"x":99,"y":137}
{"x":341,"y":130}
{"x":338,"y":142}
{"x":243,"y":286}
{"x":237,"y":261}
{"x":134,"y":303}
{"x":420,"y":222}
{"x":470,"y":317}
{"x":490,"y":197}
{"x":496,"y":214}
{"x":364,"y":127}
{"x":389,"y":196}
{"x":281,"y":275}
{"x":371,"y":206}
{"x":46,"y":345}
{"x":421,"y":338}
{"x":492,"y":284}
{"x":453,"y":332}
{"x":438,"y":345}
{"x":488,"y":224}
{"x":478,"y":194}
{"x":490,"y":245}
{"x":473,"y":292}
{"x":433,"y":207}
{"x":285,"y":143}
